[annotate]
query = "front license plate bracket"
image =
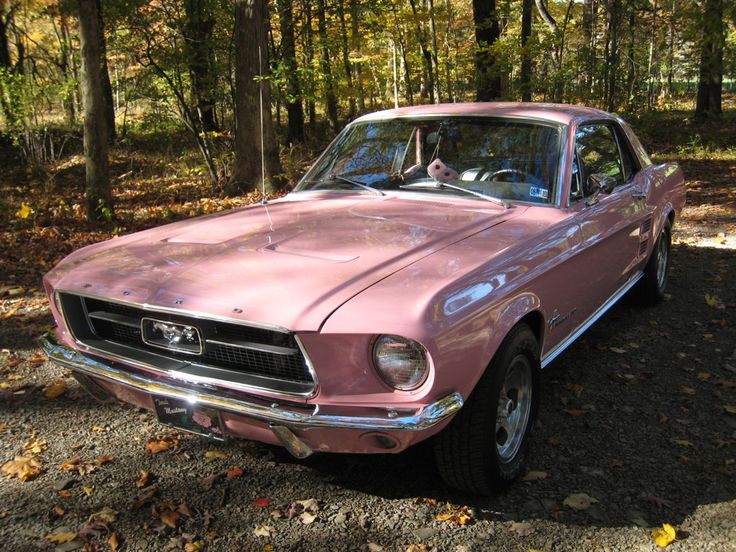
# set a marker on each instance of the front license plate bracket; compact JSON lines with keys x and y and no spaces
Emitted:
{"x":189,"y":417}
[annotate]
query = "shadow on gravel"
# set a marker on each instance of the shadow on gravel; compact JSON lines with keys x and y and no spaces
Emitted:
{"x":632,"y":415}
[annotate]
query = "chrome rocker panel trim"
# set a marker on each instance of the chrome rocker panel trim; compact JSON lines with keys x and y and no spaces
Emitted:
{"x":429,"y":416}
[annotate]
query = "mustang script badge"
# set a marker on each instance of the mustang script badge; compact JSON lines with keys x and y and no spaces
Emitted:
{"x":168,"y":335}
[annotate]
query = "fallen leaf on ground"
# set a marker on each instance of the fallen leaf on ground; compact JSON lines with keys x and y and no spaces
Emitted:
{"x":214,"y":455}
{"x":417,"y":548}
{"x":618,"y":350}
{"x":58,"y":511}
{"x":23,"y":467}
{"x":88,"y":490}
{"x":155,"y":446}
{"x":535,"y":476}
{"x":113,"y":542}
{"x":144,"y":480}
{"x":264,"y":531}
{"x":683,"y":442}
{"x":145,"y":498}
{"x":209,"y":481}
{"x":262,"y":502}
{"x":106,"y":515}
{"x":61,"y":537}
{"x":35,"y":446}
{"x":713,"y":301}
{"x":307,"y":517}
{"x":194,"y":546}
{"x":522,"y":529}
{"x":54,"y":389}
{"x":422,"y":500}
{"x":459,"y":515}
{"x":579,"y":501}
{"x":687,"y":390}
{"x":71,"y":465}
{"x":234,"y":472}
{"x":37,"y":358}
{"x":730,"y":408}
{"x":170,"y":518}
{"x":704,"y":376}
{"x":664,"y":536}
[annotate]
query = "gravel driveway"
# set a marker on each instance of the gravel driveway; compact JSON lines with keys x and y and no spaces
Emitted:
{"x":637,"y":424}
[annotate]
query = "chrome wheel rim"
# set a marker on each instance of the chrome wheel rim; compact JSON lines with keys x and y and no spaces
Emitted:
{"x":514,"y":408}
{"x":662,"y":258}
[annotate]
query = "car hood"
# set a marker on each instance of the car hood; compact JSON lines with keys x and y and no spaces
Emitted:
{"x":289,"y":264}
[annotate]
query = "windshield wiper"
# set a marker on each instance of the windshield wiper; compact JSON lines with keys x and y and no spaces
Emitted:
{"x":437,"y":185}
{"x":333,"y":177}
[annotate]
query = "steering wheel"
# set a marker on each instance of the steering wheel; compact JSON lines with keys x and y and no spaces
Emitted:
{"x":526,"y":177}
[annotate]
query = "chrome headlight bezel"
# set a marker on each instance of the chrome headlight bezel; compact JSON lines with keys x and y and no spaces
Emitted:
{"x":400,"y":362}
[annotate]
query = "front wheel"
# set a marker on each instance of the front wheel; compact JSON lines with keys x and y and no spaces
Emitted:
{"x":484,"y":447}
{"x":650,"y":289}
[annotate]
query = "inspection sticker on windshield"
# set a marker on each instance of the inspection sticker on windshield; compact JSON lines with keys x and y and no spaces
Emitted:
{"x":538,"y":192}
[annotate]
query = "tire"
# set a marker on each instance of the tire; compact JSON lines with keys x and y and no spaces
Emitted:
{"x":480,"y":451}
{"x":651,"y":288}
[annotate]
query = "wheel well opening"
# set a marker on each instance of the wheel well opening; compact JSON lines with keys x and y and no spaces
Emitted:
{"x":535,"y":321}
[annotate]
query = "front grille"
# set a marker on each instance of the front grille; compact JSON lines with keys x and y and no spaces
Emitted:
{"x":231,"y":352}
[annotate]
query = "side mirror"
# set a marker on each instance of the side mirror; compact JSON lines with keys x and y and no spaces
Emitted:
{"x":598,"y":183}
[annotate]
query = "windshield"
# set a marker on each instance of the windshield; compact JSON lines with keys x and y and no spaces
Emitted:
{"x":505,"y":159}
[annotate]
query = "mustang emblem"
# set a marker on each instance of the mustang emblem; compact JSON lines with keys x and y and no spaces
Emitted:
{"x":168,"y":335}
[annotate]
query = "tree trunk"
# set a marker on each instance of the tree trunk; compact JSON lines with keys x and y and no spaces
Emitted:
{"x":612,"y":52}
{"x":448,"y":70}
{"x":588,"y":50}
{"x":66,"y":58}
{"x":651,"y":57}
{"x":200,"y":60}
{"x":427,"y":73}
{"x":708,"y":103}
{"x":98,"y":198}
{"x":309,"y":55}
{"x":330,"y":96}
{"x":345,"y":51}
{"x":525,"y":78}
{"x":354,"y":45}
{"x":487,"y":31}
{"x":294,"y":110}
{"x":5,"y":64}
{"x":435,"y":60}
{"x":253,"y":125}
{"x":105,"y":77}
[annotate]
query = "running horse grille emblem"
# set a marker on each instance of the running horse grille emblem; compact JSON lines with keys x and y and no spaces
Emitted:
{"x":182,"y":338}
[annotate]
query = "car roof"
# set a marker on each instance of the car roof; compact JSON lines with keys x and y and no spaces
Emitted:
{"x":554,"y":113}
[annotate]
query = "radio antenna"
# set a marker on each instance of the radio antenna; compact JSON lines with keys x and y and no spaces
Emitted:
{"x":264,"y":200}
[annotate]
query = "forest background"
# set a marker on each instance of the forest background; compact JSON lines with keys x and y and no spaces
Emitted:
{"x":123,"y":114}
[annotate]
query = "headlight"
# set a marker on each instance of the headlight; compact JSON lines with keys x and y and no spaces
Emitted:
{"x":401,"y":363}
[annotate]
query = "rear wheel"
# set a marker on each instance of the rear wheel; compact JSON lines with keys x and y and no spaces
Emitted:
{"x":650,"y":289}
{"x":484,"y":447}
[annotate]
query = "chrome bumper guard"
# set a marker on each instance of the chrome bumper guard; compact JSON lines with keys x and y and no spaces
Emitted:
{"x":277,"y":418}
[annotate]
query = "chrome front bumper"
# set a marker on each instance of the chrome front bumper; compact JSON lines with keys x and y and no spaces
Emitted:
{"x":278,"y":418}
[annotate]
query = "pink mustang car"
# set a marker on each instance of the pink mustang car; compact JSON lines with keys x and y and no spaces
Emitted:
{"x":413,"y":285}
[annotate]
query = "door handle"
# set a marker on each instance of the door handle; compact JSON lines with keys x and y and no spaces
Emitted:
{"x":639,"y":195}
